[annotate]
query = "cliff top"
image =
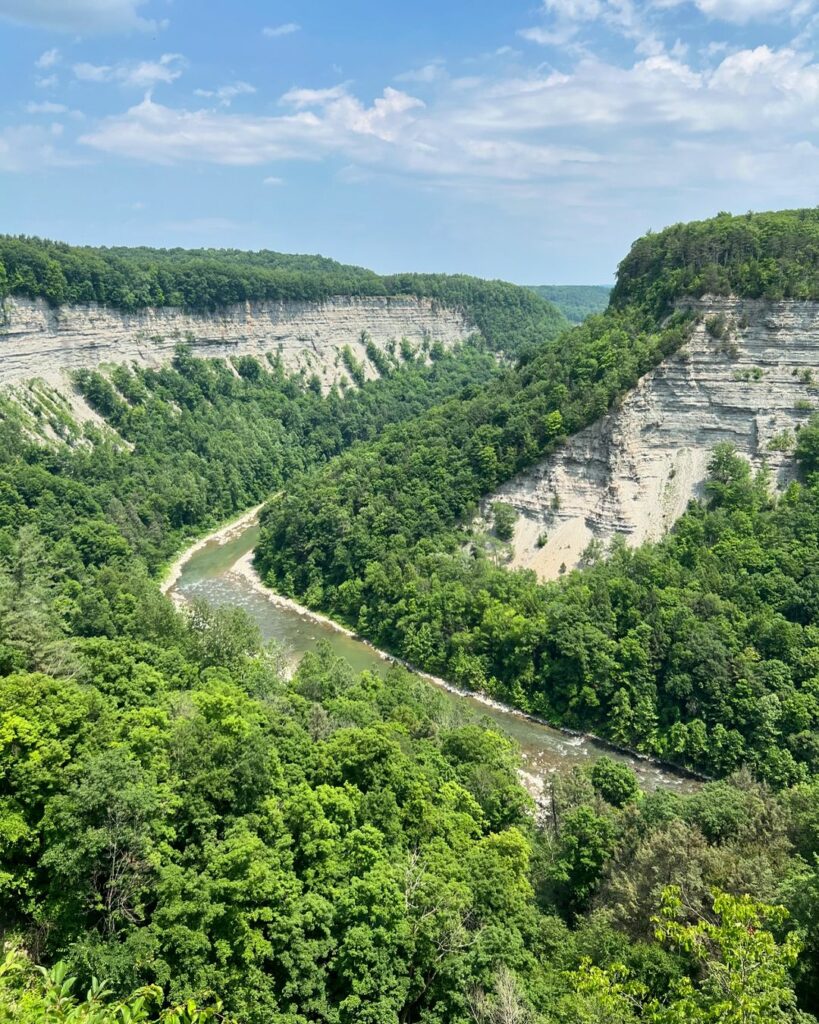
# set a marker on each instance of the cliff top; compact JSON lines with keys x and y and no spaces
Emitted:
{"x":509,"y":317}
{"x":755,"y":255}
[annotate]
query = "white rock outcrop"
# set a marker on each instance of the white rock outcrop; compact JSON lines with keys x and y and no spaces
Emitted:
{"x":633,"y":472}
{"x":37,"y":341}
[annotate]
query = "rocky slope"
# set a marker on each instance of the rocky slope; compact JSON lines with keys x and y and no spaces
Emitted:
{"x":37,"y":341}
{"x":746,"y":376}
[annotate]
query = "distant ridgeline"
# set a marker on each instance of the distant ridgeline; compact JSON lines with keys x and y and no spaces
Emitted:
{"x":756,"y":255}
{"x":575,"y":301}
{"x":130,"y":279}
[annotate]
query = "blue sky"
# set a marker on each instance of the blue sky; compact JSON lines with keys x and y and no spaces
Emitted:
{"x":530,"y":141}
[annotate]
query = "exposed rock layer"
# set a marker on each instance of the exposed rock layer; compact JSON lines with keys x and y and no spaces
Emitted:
{"x":38,"y":341}
{"x":633,"y":472}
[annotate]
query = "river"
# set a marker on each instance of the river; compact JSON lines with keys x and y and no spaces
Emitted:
{"x":209,"y":572}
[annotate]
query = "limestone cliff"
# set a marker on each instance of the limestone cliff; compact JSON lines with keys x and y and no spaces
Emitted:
{"x":745,"y":376}
{"x":37,"y":341}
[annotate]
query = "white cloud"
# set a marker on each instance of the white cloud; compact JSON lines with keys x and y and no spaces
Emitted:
{"x":46,"y":81}
{"x":564,"y":20}
{"x":742,"y":11}
{"x":46,"y":108}
{"x":565,"y":23}
{"x":577,"y":10}
{"x":139,"y":75}
{"x":53,"y":110}
{"x":277,"y":31}
{"x":47,"y":59}
{"x":225,"y":94}
{"x":300,"y":98}
{"x":92,"y":72}
{"x":594,"y":134}
{"x":82,"y":16}
{"x":427,"y":73}
{"x":336,"y":121}
{"x":272,"y":181}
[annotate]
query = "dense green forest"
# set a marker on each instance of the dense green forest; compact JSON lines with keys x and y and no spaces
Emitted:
{"x":757,"y":255}
{"x":575,"y":301}
{"x":508,"y":317}
{"x":213,"y":839}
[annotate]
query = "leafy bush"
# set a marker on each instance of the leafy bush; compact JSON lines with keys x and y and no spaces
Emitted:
{"x":504,"y":517}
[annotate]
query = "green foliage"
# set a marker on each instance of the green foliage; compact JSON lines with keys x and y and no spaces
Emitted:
{"x":32,"y":996}
{"x":807,"y":446}
{"x":207,"y":443}
{"x":745,"y":969}
{"x":354,"y":367}
{"x":586,"y":841}
{"x":702,"y":649}
{"x":755,"y":255}
{"x":575,"y":301}
{"x":718,"y":326}
{"x":504,"y":517}
{"x":615,"y":782}
{"x":744,"y":972}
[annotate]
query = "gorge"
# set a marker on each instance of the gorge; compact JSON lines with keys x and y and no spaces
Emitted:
{"x":337,"y":841}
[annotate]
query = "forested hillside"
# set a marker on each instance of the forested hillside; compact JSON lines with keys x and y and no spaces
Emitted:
{"x":589,"y":652}
{"x":218,"y":841}
{"x":575,"y":301}
{"x":757,"y":255}
{"x":509,"y":317}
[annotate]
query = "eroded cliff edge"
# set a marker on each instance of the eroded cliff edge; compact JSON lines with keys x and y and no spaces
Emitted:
{"x":748,"y":375}
{"x":38,"y":341}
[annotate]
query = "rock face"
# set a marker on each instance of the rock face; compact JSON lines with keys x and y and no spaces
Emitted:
{"x":38,"y":341}
{"x":633,"y":472}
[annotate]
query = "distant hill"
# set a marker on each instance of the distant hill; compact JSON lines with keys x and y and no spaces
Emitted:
{"x":575,"y":301}
{"x":509,"y":317}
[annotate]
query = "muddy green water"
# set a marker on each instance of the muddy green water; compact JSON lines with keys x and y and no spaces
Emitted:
{"x":207,"y":574}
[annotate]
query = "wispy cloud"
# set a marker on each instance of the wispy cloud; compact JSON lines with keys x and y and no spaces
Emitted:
{"x":79,"y":16}
{"x":430,"y":72}
{"x":140,"y":75}
{"x":226,"y":94}
{"x":633,"y":111}
{"x":741,"y":12}
{"x":52,"y":109}
{"x":47,"y":59}
{"x":300,"y":98}
{"x":276,"y":31}
{"x":30,"y":148}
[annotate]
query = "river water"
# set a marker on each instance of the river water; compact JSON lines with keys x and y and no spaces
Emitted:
{"x":207,"y":574}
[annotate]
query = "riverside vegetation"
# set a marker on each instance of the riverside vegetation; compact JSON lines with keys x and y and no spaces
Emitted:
{"x":219,"y":842}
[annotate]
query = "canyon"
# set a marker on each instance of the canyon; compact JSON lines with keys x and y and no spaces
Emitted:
{"x":748,"y":375}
